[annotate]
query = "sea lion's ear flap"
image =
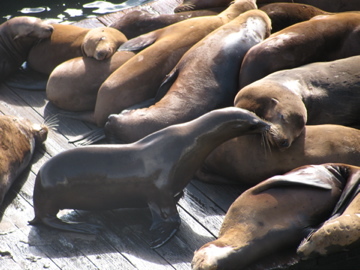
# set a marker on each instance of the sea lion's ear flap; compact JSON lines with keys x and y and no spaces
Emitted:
{"x":274,"y":102}
{"x":166,"y":84}
{"x":139,"y":43}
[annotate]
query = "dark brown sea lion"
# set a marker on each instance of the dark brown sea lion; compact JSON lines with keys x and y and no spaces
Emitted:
{"x":201,"y":4}
{"x":141,"y":174}
{"x":283,"y":15}
{"x":327,"y":5}
{"x":317,"y":93}
{"x":272,"y":218}
{"x":322,"y":38}
{"x":244,"y":160}
{"x":139,"y":22}
{"x":204,"y":79}
{"x":341,"y":232}
{"x":17,"y":36}
{"x":70,"y":41}
{"x":140,"y":77}
{"x":74,"y":84}
{"x":18,"y":140}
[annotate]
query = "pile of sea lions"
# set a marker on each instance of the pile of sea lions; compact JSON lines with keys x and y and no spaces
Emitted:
{"x":257,"y":93}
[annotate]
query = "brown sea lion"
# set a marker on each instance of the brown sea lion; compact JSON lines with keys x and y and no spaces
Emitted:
{"x":18,"y":35}
{"x":283,"y":15}
{"x":322,"y":38}
{"x":313,"y":94}
{"x":188,"y":5}
{"x":327,"y":5}
{"x":139,"y":22}
{"x":204,"y":79}
{"x":140,"y":77}
{"x":70,"y":41}
{"x":341,"y":232}
{"x":141,"y":174}
{"x":18,"y":140}
{"x":74,"y":84}
{"x":272,"y":217}
{"x":246,"y":161}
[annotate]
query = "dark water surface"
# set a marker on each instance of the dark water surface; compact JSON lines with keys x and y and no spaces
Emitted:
{"x":61,"y":10}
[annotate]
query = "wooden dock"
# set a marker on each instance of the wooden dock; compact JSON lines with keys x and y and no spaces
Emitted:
{"x":124,"y":240}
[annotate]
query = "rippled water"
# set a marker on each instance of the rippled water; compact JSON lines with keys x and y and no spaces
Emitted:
{"x":62,"y":10}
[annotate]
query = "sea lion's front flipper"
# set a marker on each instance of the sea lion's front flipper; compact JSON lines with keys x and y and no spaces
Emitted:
{"x":56,"y":223}
{"x":139,"y":43}
{"x":166,"y":221}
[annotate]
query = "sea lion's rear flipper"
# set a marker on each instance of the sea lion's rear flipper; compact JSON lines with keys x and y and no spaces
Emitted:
{"x":56,"y":223}
{"x":139,"y":43}
{"x":166,"y":221}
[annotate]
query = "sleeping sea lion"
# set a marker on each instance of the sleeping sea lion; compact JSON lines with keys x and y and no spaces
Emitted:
{"x":17,"y":36}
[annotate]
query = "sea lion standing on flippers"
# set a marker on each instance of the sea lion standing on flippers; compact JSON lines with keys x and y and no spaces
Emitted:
{"x":140,"y":77}
{"x":18,"y":140}
{"x":341,"y":232}
{"x":17,"y":36}
{"x":322,"y":38}
{"x":141,"y":174}
{"x":204,"y":79}
{"x":70,"y":41}
{"x":271,"y":218}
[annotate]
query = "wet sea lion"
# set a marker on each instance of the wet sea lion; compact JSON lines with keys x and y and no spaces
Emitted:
{"x":327,"y":5}
{"x":272,"y":217}
{"x":73,"y":85}
{"x":204,"y":79}
{"x":140,"y":77}
{"x":18,"y":140}
{"x":313,"y":94}
{"x":70,"y":41}
{"x":322,"y":38}
{"x":342,"y":231}
{"x":283,"y":15}
{"x":188,"y":5}
{"x":139,"y":22}
{"x":17,"y":36}
{"x":243,"y":160}
{"x":141,"y":174}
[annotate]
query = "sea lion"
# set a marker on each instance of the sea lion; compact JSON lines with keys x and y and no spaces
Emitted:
{"x":140,"y":77}
{"x":18,"y":140}
{"x":204,"y":79}
{"x":327,"y":5}
{"x":139,"y":22}
{"x":73,"y":85}
{"x":313,"y":94}
{"x":18,"y":35}
{"x":283,"y":15}
{"x":243,"y":160}
{"x":322,"y":38}
{"x":141,"y":174}
{"x":188,"y":5}
{"x":70,"y":41}
{"x":342,"y":231}
{"x":272,"y":217}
